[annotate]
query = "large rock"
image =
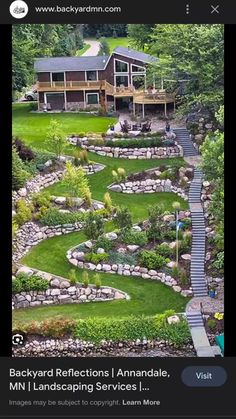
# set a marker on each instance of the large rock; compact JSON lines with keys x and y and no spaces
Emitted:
{"x":22,"y":192}
{"x":173,"y":319}
{"x":187,"y":256}
{"x":64,"y":284}
{"x":132,"y":247}
{"x":169,"y":218}
{"x":88,"y":244}
{"x":100,"y":250}
{"x":111,"y":236}
{"x":55,"y":283}
{"x":115,"y":188}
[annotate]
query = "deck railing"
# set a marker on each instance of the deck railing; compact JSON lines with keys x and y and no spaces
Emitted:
{"x":61,"y":85}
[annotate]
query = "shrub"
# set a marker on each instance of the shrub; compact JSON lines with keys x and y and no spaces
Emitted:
{"x":76,"y":159}
{"x":96,"y":257}
{"x":96,"y":141}
{"x":72,"y":276}
{"x":83,"y":157}
{"x":134,"y":237}
{"x":54,"y":217}
{"x":121,"y":174}
{"x":19,"y":173}
{"x":184,"y":244}
{"x":41,"y":157}
{"x":94,"y":225}
{"x":131,"y":328}
{"x":24,"y":282}
{"x":108,"y":202}
{"x":23,"y":212}
{"x":104,"y":243}
{"x":135,"y":143}
{"x":187,"y":222}
{"x":40,"y":213}
{"x":15,"y":227}
{"x":97,"y":281}
{"x":211,"y":323}
{"x":171,"y":235}
{"x":183,"y":277}
{"x":176,"y":272}
{"x":164,"y":250}
{"x":85,"y":278}
{"x":55,"y":327}
{"x":122,"y":258}
{"x":219,"y":262}
{"x":25,"y":153}
{"x":152,"y":260}
{"x":41,"y":199}
{"x":123,"y":218}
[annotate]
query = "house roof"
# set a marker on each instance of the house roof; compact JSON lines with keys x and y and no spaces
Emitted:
{"x":87,"y":63}
{"x":70,"y":63}
{"x":136,"y":55}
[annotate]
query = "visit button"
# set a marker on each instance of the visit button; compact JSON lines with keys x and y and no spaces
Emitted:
{"x":204,"y":376}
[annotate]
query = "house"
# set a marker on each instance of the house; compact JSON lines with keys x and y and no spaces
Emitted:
{"x":113,"y":82}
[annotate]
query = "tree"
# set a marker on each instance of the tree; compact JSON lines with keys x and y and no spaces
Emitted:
{"x":104,"y":47}
{"x":213,"y":167}
{"x":77,"y":183}
{"x":197,"y":53}
{"x":123,"y":219}
{"x":55,"y":138}
{"x":155,"y":223}
{"x":94,"y":225}
{"x":140,"y":35}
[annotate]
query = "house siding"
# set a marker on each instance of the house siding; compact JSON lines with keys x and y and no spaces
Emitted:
{"x":43,"y":77}
{"x":75,"y":76}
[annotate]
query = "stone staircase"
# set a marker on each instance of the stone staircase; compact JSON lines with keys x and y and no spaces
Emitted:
{"x":195,"y":319}
{"x":197,"y":270}
{"x":182,"y":137}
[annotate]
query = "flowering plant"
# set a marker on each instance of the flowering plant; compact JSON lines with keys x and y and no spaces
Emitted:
{"x":219,"y":316}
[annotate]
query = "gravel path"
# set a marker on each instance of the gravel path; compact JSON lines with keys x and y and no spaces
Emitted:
{"x":94,"y":47}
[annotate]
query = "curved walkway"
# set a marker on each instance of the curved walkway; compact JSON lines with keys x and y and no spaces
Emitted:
{"x":197,"y":271}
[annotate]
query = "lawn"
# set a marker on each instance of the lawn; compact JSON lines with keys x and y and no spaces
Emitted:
{"x":137,"y":203}
{"x":147,"y":297}
{"x":33,"y":127}
{"x":117,"y":42}
{"x":81,"y":51}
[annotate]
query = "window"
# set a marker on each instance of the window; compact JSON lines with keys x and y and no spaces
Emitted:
{"x":91,"y":75}
{"x":58,"y":77}
{"x":92,"y":99}
{"x":121,"y":66}
{"x":122,"y":80}
{"x":137,"y":69}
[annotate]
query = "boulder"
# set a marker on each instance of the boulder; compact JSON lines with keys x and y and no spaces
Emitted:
{"x":88,"y":244}
{"x":171,"y":264}
{"x":176,"y":288}
{"x":111,"y":236}
{"x":169,"y":218}
{"x":136,"y":228}
{"x":60,"y":200}
{"x":100,"y":250}
{"x":64,"y":284}
{"x":187,"y":256}
{"x":106,"y":267}
{"x":55,"y":283}
{"x":22,"y":192}
{"x":119,"y":296}
{"x":115,"y":188}
{"x":132,"y":247}
{"x":173,"y":319}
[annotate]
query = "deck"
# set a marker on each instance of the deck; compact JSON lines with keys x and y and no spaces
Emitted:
{"x":139,"y":96}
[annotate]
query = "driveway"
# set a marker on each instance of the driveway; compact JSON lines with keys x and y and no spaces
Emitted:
{"x":94,"y":47}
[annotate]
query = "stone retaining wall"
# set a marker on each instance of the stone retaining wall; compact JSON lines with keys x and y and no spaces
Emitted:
{"x":31,"y":234}
{"x":76,"y":258}
{"x":130,"y":153}
{"x":148,"y":186}
{"x":46,"y":347}
{"x":61,"y":291}
{"x":136,"y":153}
{"x":40,"y":182}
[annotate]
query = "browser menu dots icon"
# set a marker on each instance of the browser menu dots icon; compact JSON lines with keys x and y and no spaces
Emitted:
{"x":187,"y":9}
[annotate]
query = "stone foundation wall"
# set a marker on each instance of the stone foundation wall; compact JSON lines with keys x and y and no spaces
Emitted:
{"x":148,"y":186}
